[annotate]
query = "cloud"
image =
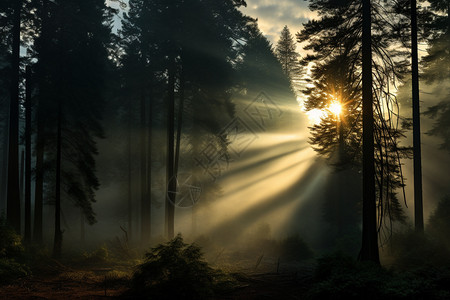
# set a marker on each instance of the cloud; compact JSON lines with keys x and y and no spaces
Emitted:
{"x":273,"y":15}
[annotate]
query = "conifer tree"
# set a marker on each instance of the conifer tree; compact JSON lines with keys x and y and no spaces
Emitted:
{"x":71,"y":62}
{"x":336,"y":39}
{"x":289,"y":58}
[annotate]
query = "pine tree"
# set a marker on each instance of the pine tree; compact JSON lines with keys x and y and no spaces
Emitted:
{"x":71,"y":62}
{"x":13,"y":194}
{"x":289,"y":58}
{"x":436,"y":66}
{"x":336,"y":39}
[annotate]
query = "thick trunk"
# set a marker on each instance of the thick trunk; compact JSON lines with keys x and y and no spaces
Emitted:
{"x":13,"y":192}
{"x":27,"y":232}
{"x":418,"y":202}
{"x":369,"y":249}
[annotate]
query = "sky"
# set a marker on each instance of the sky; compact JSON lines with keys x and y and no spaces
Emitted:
{"x":273,"y":15}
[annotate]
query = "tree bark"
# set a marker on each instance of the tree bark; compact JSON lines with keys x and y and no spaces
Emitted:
{"x":143,"y":166}
{"x":39,"y":181}
{"x":369,"y":249}
{"x":171,"y":182}
{"x":13,"y":190}
{"x":149,"y":166}
{"x":57,"y":245}
{"x":129,"y":188}
{"x":27,"y":231}
{"x":417,"y":156}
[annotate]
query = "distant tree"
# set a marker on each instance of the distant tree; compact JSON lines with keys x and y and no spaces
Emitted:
{"x":289,"y":58}
{"x":436,"y":68}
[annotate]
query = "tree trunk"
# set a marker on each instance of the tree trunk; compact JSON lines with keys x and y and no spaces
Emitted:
{"x":418,"y":201}
{"x":143,"y":165}
{"x":369,"y":249}
{"x":13,"y":192}
{"x":57,"y":245}
{"x":129,"y":191}
{"x":149,"y":165}
{"x":27,"y":232}
{"x":39,"y":181}
{"x":171,"y":181}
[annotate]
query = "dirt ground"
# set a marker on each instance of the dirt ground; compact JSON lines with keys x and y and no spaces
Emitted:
{"x":84,"y":284}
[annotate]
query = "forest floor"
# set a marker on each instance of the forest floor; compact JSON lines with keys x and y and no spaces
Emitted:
{"x":112,"y":281}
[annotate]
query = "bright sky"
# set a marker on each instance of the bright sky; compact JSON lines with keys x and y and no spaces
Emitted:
{"x":273,"y":15}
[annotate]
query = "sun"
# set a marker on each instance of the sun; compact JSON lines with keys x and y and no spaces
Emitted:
{"x":335,"y":108}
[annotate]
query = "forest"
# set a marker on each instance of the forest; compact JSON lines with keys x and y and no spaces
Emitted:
{"x":174,"y":149}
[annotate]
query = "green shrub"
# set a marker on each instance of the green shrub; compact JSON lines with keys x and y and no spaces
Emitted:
{"x":439,"y":222}
{"x":10,"y":242}
{"x":340,"y":277}
{"x":10,"y":270}
{"x":11,"y":250}
{"x":294,"y":248}
{"x":99,"y":255}
{"x":176,"y":270}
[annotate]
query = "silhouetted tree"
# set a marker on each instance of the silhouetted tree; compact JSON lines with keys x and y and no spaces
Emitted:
{"x":13,"y":194}
{"x":418,"y":201}
{"x":436,"y":66}
{"x":337,"y":38}
{"x":71,"y":62}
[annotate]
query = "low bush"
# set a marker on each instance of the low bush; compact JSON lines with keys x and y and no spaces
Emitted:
{"x":340,"y":277}
{"x":176,"y":270}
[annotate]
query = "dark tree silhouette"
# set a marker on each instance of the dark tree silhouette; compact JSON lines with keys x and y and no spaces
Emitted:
{"x":13,"y":194}
{"x":418,"y":201}
{"x":336,"y":39}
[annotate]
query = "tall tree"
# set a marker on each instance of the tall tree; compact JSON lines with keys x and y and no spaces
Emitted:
{"x":71,"y":62}
{"x":27,"y":231}
{"x":13,"y":196}
{"x":436,"y":66}
{"x":369,"y":248}
{"x":336,"y":49}
{"x":418,"y":201}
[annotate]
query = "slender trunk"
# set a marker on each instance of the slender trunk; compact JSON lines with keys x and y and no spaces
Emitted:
{"x":13,"y":193}
{"x":179,"y":123}
{"x":27,"y":232}
{"x":39,"y":180}
{"x":143,"y":165}
{"x":82,"y":228}
{"x":57,"y":245}
{"x":129,"y":191}
{"x":369,"y":249}
{"x":171,"y":181}
{"x":178,"y":141}
{"x":21,"y":176}
{"x":40,"y":149}
{"x":149,"y":164}
{"x":418,"y":201}
{"x":4,"y":170}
